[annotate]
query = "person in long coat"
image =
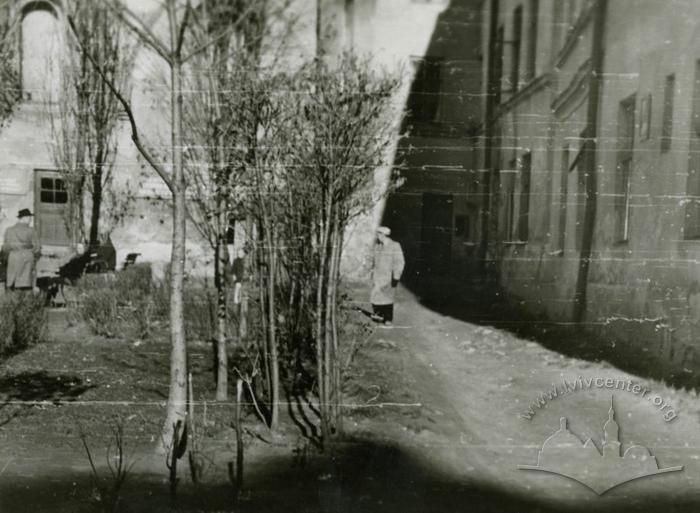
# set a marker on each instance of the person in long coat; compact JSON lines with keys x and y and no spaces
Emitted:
{"x":22,"y":247}
{"x":388,"y":264}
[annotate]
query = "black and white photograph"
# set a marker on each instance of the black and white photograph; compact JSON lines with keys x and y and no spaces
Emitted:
{"x":349,"y":256}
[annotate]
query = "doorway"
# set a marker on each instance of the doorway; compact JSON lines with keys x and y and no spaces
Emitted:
{"x":436,"y":233}
{"x":50,"y":206}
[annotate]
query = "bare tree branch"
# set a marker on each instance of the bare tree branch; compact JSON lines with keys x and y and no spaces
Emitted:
{"x":127,"y":109}
{"x":183,"y":28}
{"x":224,"y":34}
{"x":142,"y":30}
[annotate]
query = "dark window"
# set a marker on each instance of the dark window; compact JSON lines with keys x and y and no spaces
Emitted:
{"x":231,"y":231}
{"x":692,"y":211}
{"x":510,"y":200}
{"x":524,"y":209}
{"x":563,"y":197}
{"x":52,"y":190}
{"x":515,"y":48}
{"x":581,"y":196}
{"x":425,"y":92}
{"x":667,"y":122}
{"x":499,"y":51}
{"x":625,"y":152}
{"x":531,"y":70}
{"x":462,"y":223}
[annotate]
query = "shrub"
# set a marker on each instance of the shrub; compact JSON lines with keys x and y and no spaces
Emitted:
{"x":98,"y":308}
{"x":200,"y":313}
{"x":133,"y":284}
{"x":130,"y":301}
{"x":22,"y":321}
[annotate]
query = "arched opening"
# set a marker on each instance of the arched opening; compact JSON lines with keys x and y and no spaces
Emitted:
{"x":40,"y":51}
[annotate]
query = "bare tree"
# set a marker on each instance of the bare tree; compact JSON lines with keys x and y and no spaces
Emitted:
{"x":9,"y":70}
{"x":213,"y":162}
{"x":220,"y":130}
{"x":169,"y":48}
{"x":84,"y":116}
{"x":336,"y":135}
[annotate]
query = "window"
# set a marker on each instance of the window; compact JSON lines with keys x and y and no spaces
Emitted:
{"x":425,"y":92}
{"x":645,"y":118}
{"x":530,"y":71}
{"x":498,"y":76}
{"x":625,"y":147}
{"x":563,"y":197}
{"x":580,"y":168}
{"x":692,"y":212}
{"x":667,"y":120}
{"x":231,"y":231}
{"x":524,"y":209}
{"x":515,"y":48}
{"x":462,"y":225}
{"x":52,"y":190}
{"x":510,"y":201}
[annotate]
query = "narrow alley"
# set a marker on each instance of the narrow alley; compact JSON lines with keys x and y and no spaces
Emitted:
{"x":486,"y":402}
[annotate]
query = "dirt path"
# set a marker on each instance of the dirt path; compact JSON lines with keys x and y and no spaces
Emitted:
{"x":474,"y":383}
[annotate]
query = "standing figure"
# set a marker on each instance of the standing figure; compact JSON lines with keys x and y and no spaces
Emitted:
{"x":386,"y":272}
{"x":22,"y":247}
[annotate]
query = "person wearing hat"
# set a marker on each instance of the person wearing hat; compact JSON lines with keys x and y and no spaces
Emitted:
{"x":22,"y":247}
{"x":388,"y":264}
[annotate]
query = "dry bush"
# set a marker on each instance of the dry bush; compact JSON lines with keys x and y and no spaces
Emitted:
{"x":22,"y":321}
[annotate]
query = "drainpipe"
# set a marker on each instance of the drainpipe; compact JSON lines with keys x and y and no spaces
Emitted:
{"x":590,"y":142}
{"x":486,"y":193}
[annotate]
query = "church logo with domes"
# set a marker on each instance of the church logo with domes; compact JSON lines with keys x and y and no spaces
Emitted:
{"x":565,"y":454}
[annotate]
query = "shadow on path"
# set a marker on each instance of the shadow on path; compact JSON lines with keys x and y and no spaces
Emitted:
{"x":363,"y":477}
{"x":18,"y":392}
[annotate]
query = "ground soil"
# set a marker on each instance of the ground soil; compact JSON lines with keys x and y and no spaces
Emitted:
{"x":433,"y":423}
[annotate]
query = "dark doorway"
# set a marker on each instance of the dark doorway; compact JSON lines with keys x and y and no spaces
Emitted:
{"x":436,"y":233}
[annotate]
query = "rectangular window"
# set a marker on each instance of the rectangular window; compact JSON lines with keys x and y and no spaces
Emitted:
{"x":531,"y":71}
{"x":692,"y":209}
{"x":667,"y":120}
{"x":515,"y":48}
{"x":499,"y":51}
{"x":524,"y":210}
{"x":625,"y":147}
{"x":563,"y":197}
{"x":581,"y":196}
{"x":52,"y":190}
{"x":462,"y":225}
{"x":510,"y":201}
{"x":425,"y":91}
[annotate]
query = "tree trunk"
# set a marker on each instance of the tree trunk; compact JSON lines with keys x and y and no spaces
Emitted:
{"x":177,"y":396}
{"x":220,"y":274}
{"x":96,"y":204}
{"x":321,"y":356}
{"x":272,"y":325}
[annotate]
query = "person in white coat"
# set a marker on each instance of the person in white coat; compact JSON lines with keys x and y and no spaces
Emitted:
{"x":387,"y":267}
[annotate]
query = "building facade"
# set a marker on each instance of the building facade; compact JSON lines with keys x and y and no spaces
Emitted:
{"x":592,"y":213}
{"x":435,"y":211}
{"x":397,"y":34}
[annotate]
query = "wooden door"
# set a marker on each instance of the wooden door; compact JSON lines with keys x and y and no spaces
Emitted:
{"x":436,"y":233}
{"x":50,"y":205}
